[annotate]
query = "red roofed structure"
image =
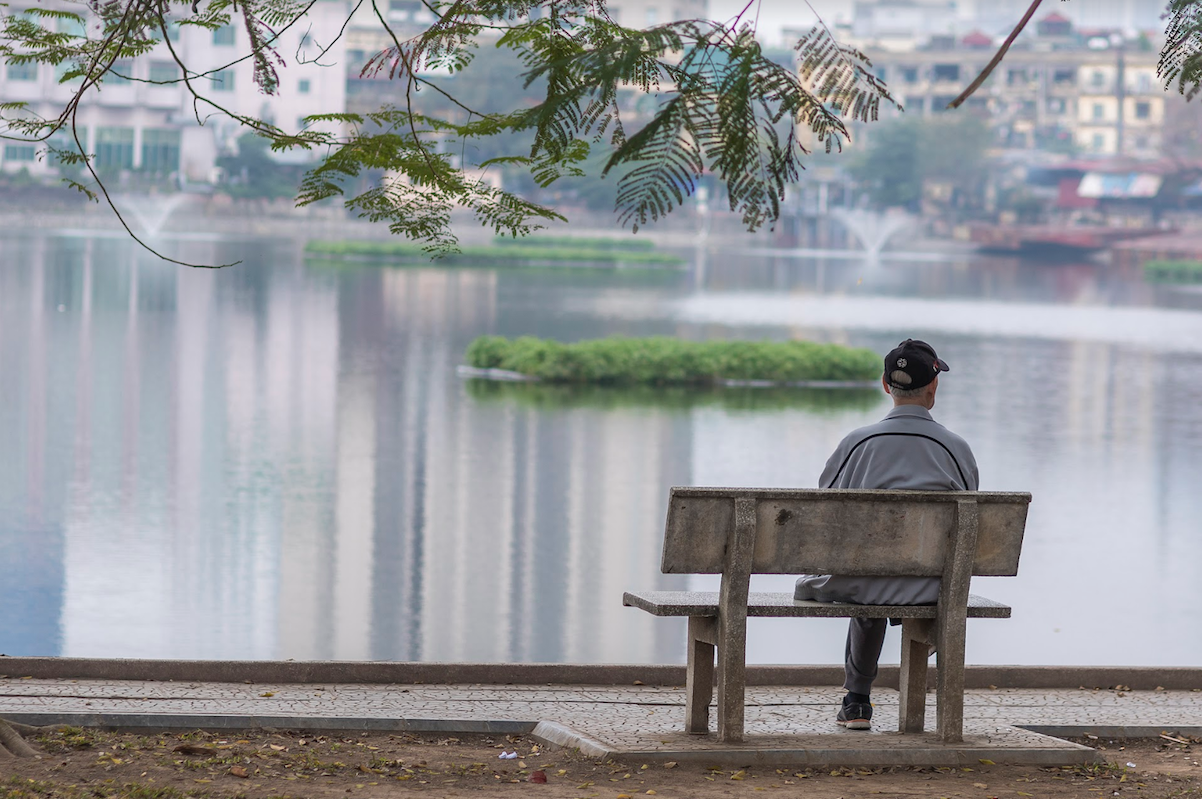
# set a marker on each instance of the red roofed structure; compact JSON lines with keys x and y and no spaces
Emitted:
{"x":977,"y":40}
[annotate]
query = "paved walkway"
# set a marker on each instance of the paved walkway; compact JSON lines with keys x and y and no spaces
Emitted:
{"x":635,"y":723}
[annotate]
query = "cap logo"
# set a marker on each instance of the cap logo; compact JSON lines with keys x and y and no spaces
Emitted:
{"x":901,"y":363}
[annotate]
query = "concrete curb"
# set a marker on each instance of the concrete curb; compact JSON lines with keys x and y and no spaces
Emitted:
{"x":382,"y":672}
{"x":162,"y":722}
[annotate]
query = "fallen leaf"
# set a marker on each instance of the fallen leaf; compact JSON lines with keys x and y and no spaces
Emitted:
{"x":625,"y":796}
{"x":986,"y":762}
{"x":238,"y":771}
{"x":670,"y":764}
{"x":538,"y":776}
{"x":193,"y":749}
{"x":738,"y":775}
{"x":277,"y":747}
{"x":651,"y":792}
{"x":267,"y":693}
{"x":979,"y":785}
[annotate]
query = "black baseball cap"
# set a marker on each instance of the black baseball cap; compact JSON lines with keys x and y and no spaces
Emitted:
{"x":918,"y":360}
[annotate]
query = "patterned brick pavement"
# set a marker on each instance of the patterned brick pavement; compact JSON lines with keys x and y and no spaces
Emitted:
{"x":794,"y":724}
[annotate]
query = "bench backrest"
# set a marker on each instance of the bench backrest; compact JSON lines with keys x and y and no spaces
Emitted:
{"x":843,"y":531}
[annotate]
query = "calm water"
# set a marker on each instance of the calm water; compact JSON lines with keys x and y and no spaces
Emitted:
{"x":279,"y":461}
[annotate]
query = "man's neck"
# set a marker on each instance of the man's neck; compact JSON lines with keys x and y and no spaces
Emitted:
{"x":911,"y":403}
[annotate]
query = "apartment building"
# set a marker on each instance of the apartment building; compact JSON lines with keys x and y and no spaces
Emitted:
{"x":143,"y":118}
{"x":1096,"y":95}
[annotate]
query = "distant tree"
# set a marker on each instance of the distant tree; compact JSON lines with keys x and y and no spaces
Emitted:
{"x":902,"y":154}
{"x":252,"y":172}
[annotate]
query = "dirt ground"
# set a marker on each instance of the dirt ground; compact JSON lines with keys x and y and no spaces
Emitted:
{"x":90,"y":764}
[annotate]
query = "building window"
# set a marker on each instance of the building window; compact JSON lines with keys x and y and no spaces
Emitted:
{"x":19,"y":152}
{"x":160,"y":150}
{"x":946,"y":72}
{"x":909,"y":74}
{"x":1143,"y":110}
{"x":62,"y":68}
{"x":1016,"y":77}
{"x":1099,"y":142}
{"x":1099,"y":111}
{"x":114,"y":148}
{"x":1143,"y":83}
{"x":65,"y":143}
{"x":304,"y":86}
{"x":1064,"y":77}
{"x":222,"y":80}
{"x":74,"y":27}
{"x":25,"y":71}
{"x":163,"y":71}
{"x":120,"y":72}
{"x":1055,"y":105}
{"x":1097,"y":79}
{"x":224,"y":36}
{"x":156,"y":33}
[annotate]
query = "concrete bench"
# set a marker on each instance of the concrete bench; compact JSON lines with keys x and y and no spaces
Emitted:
{"x":737,"y":532}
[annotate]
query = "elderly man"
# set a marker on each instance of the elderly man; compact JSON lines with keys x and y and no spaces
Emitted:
{"x":906,"y":450}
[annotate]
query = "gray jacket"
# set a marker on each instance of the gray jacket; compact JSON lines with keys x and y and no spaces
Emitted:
{"x":905,"y":450}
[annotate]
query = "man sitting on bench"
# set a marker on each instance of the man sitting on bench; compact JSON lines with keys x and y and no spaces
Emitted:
{"x":906,"y":450}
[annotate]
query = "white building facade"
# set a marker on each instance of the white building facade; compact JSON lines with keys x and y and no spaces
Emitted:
{"x":142,"y":119}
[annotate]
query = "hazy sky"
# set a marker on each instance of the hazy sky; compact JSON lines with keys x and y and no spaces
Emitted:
{"x":777,"y":14}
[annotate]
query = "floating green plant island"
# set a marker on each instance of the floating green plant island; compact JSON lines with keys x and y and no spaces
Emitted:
{"x":662,"y":361}
{"x":1174,"y":271}
{"x":557,"y":251}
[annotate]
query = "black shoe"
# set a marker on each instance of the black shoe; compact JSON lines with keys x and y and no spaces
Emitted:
{"x":855,"y":716}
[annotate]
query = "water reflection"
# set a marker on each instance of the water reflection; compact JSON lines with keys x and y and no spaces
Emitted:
{"x":279,"y":460}
{"x":734,"y":398}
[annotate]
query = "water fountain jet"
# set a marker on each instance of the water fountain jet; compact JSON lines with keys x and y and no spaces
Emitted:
{"x":872,"y":229}
{"x":150,"y":212}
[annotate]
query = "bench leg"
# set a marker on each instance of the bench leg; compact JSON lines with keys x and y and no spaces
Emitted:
{"x":699,"y":680}
{"x":949,"y":684}
{"x":732,"y":684}
{"x":912,"y":685}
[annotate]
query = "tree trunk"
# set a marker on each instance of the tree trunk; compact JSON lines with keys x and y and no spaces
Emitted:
{"x":11,"y":742}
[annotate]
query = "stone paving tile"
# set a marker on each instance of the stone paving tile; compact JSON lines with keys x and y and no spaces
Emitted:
{"x":642,"y":718}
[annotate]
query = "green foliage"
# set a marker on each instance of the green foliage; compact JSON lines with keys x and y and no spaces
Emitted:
{"x":1181,"y":58}
{"x":663,"y":361}
{"x":516,"y":253}
{"x":1173,"y":271}
{"x":901,"y":154}
{"x":545,"y":396}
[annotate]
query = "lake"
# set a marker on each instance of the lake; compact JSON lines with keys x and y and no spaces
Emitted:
{"x":279,"y":459}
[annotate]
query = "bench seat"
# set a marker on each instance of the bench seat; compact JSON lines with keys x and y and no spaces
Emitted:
{"x":781,"y":605}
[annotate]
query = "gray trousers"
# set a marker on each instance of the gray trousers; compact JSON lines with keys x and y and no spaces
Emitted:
{"x":866,"y":636}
